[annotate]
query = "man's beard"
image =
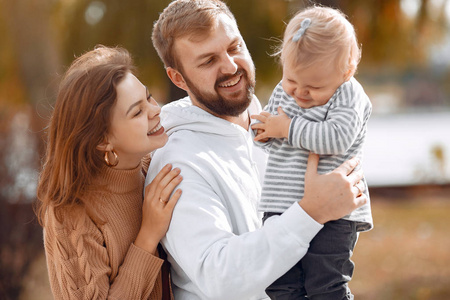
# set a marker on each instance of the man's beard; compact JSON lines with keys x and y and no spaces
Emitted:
{"x":219,"y":105}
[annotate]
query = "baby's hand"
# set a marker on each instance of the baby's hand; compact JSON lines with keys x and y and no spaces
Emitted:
{"x":272,"y":126}
{"x":259,"y":127}
{"x":258,"y":136}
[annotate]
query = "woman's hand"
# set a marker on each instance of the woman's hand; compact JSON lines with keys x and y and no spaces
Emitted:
{"x":158,"y":208}
{"x":333,"y":195}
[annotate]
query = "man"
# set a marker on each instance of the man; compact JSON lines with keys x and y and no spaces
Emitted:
{"x":215,"y":243}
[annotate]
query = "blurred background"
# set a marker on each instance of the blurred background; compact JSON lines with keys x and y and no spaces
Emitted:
{"x":405,"y":70}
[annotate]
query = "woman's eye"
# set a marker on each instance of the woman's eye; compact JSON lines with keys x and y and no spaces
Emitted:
{"x":138,"y":113}
{"x":149,"y":95}
{"x":235,"y":49}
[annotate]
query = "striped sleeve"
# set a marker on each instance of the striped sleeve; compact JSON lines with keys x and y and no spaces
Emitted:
{"x":337,"y":132}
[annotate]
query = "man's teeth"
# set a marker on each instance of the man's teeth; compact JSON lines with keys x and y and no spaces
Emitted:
{"x":158,"y":127}
{"x":231,"y":83}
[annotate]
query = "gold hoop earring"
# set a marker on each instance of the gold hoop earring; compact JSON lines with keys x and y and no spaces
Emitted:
{"x":116,"y":159}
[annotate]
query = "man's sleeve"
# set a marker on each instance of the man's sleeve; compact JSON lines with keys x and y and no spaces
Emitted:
{"x":221,"y":264}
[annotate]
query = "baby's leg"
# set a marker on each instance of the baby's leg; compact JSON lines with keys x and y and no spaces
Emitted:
{"x":327,"y":265}
{"x":290,"y":286}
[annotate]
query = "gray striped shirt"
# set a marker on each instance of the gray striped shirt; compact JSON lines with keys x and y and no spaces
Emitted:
{"x":336,"y":131}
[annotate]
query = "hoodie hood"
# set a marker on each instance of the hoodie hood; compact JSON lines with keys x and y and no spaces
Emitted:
{"x":182,"y":115}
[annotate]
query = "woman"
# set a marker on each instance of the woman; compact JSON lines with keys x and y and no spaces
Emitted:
{"x":100,"y":233}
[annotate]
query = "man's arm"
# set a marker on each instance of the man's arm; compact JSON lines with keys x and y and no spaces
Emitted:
{"x":223,"y":265}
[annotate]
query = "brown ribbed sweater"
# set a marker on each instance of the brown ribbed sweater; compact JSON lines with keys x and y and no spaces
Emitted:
{"x":90,"y":260}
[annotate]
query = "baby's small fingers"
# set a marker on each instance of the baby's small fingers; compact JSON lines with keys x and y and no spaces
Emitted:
{"x":260,"y":137}
{"x":258,"y":126}
{"x":260,"y":118}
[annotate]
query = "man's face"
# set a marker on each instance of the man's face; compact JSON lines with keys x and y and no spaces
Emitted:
{"x":218,"y":70}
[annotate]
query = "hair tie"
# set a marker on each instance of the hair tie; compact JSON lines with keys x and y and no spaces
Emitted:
{"x":303,"y":26}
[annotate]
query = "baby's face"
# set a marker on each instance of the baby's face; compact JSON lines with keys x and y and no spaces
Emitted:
{"x":314,"y":85}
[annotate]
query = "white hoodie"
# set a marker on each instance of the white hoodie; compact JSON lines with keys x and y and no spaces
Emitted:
{"x":215,"y":243}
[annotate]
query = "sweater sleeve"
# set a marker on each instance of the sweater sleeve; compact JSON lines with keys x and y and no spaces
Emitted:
{"x":336,"y":133}
{"x":79,"y":266}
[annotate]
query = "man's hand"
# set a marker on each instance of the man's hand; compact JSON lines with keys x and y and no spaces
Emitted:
{"x":333,"y":195}
{"x":271,"y":126}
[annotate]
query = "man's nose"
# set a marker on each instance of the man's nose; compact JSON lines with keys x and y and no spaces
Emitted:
{"x":229,"y":66}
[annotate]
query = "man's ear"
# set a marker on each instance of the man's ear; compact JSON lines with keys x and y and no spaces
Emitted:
{"x":177,"y":78}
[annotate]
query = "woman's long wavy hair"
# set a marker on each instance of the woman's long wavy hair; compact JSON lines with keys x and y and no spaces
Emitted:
{"x":79,"y":123}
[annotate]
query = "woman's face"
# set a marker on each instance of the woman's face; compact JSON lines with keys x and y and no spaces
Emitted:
{"x":135,"y":124}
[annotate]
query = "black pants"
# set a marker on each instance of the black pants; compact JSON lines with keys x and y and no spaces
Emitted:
{"x":325,"y":270}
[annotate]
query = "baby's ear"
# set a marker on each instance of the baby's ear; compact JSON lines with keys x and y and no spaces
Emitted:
{"x":350,"y":72}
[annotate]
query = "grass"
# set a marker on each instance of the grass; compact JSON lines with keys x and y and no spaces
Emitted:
{"x":406,"y":256}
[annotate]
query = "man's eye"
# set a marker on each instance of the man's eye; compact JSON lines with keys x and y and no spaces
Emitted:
{"x":208,"y":62}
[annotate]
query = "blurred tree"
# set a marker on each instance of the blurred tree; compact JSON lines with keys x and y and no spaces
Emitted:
{"x":39,"y":37}
{"x":29,"y":61}
{"x":32,"y":40}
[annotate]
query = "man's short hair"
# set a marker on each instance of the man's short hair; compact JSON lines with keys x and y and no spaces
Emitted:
{"x":185,"y":18}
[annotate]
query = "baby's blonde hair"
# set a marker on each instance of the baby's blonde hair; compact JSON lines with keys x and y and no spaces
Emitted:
{"x":329,"y":36}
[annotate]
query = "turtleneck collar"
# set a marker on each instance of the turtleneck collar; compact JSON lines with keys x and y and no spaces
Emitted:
{"x":122,"y":181}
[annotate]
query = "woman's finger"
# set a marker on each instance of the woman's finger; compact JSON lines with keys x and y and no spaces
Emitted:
{"x":173,"y":199}
{"x":169,"y":187}
{"x":160,"y":182}
{"x":161,"y":186}
{"x":150,"y":188}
